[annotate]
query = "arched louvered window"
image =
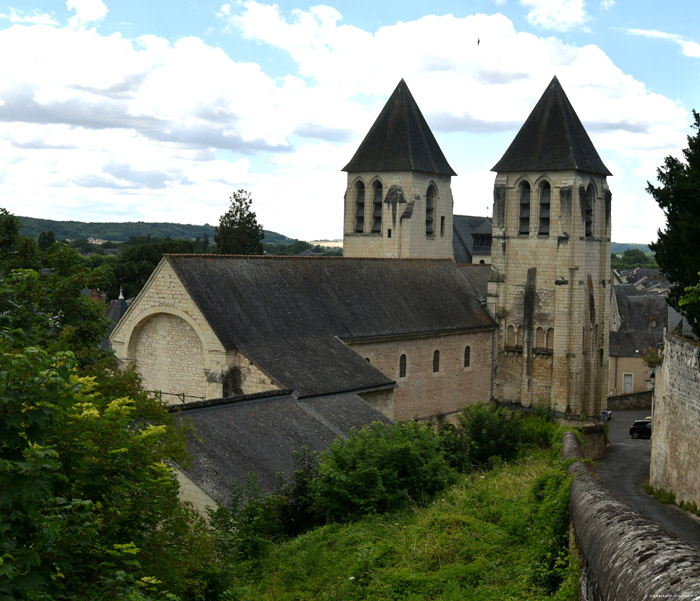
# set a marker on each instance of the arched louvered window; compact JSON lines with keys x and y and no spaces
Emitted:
{"x":376,"y":207}
{"x":467,"y":356}
{"x":359,"y":207}
{"x":430,"y":201}
{"x":436,"y":361}
{"x":545,"y":196}
{"x":524,"y":226}
{"x":588,"y":212}
{"x":402,"y":366}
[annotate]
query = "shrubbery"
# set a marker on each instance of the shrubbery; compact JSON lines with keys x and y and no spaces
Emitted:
{"x":379,"y":468}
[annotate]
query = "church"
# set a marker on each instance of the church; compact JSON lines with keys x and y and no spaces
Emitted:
{"x":396,"y":328}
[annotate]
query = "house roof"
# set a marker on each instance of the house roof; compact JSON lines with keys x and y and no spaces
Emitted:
{"x":293,"y":316}
{"x":258,"y":436}
{"x":643,"y":319}
{"x":400,"y":140}
{"x":463,"y":229}
{"x":552,"y":139}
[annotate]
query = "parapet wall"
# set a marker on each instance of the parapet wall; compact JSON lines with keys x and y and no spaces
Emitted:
{"x":624,"y":555}
{"x":675,"y":445}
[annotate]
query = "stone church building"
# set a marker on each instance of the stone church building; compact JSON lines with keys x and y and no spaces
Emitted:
{"x":396,"y":322}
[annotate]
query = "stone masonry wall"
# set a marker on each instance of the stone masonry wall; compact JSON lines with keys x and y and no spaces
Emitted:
{"x":675,"y":445}
{"x":624,"y":556}
{"x":173,"y":348}
{"x":403,"y":217}
{"x":556,"y":281}
{"x":423,"y":392}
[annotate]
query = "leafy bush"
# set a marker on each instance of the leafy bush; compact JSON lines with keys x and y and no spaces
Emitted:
{"x":379,"y":468}
{"x":486,"y":431}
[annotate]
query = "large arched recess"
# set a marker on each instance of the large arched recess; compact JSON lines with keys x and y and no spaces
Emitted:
{"x":166,"y":346}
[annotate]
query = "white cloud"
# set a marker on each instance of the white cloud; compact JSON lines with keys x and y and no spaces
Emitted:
{"x":86,"y":11}
{"x":557,"y":15}
{"x":607,"y":4}
{"x":688,"y":47}
{"x":150,"y":129}
{"x":36,"y":17}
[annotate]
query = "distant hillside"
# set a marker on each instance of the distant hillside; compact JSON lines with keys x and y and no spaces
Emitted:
{"x":619,"y":247}
{"x":121,"y":232}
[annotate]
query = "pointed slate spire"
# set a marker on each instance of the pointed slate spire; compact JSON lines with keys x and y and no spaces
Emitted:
{"x":400,"y":140}
{"x":552,"y":139}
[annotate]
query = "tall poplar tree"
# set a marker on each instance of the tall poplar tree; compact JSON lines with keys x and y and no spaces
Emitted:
{"x":239,"y":232}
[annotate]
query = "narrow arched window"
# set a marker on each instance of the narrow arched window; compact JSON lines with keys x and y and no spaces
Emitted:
{"x":524,"y":227}
{"x":539,"y":338}
{"x":467,"y":356}
{"x":436,"y":361}
{"x":430,"y":200}
{"x":376,"y":207}
{"x":359,"y":207}
{"x":511,"y":336}
{"x":402,"y":366}
{"x":588,"y":212}
{"x":521,"y":338}
{"x":545,"y":196}
{"x":550,"y":338}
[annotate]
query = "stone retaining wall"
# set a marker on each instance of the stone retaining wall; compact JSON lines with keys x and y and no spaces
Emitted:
{"x":675,"y":445}
{"x":635,"y":400}
{"x":624,"y":555}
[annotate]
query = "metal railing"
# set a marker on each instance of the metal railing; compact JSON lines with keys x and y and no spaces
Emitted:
{"x":158,"y":394}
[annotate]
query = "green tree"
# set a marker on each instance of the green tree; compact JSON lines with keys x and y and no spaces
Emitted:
{"x":677,"y":246}
{"x":239,"y":232}
{"x":46,"y":239}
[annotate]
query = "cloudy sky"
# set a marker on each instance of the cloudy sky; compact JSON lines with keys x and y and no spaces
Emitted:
{"x":159,"y":110}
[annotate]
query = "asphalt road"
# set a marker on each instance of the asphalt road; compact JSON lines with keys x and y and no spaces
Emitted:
{"x":625,"y":469}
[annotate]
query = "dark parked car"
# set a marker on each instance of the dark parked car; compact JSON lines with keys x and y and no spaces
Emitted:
{"x":641,"y":429}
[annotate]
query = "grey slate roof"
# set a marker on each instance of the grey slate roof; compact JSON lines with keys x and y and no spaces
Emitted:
{"x":290,"y":315}
{"x":552,"y":139}
{"x":259,"y":436}
{"x":636,"y":332}
{"x":463,"y":229}
{"x":400,"y":140}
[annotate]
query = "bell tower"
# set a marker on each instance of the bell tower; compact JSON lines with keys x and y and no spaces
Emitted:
{"x":398,"y":201}
{"x":549,"y":286}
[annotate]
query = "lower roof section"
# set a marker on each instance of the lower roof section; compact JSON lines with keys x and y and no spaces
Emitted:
{"x":258,"y":436}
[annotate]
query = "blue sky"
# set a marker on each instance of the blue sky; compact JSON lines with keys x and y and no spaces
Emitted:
{"x":159,"y":110}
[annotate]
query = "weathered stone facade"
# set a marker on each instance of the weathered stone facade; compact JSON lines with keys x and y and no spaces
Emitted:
{"x":550,"y":291}
{"x":430,"y":384}
{"x":675,"y":445}
{"x":386,"y":215}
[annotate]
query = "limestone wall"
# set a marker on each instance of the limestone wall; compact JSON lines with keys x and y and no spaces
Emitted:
{"x":403,"y":227}
{"x":624,"y":556}
{"x":675,"y":444}
{"x":423,"y":392}
{"x":554,"y":280}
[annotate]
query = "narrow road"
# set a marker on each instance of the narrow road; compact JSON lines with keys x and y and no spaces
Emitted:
{"x":625,"y":469}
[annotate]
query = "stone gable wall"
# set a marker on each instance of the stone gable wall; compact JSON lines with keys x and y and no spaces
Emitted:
{"x":424,"y":393}
{"x":175,"y":350}
{"x":675,"y":444}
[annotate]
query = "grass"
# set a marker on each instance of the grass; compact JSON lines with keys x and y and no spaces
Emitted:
{"x":479,"y":540}
{"x":668,"y":497}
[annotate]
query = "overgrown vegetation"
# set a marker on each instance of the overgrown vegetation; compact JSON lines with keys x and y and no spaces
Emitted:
{"x":495,"y":534}
{"x":89,"y":508}
{"x":370,"y":490}
{"x":666,"y":496}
